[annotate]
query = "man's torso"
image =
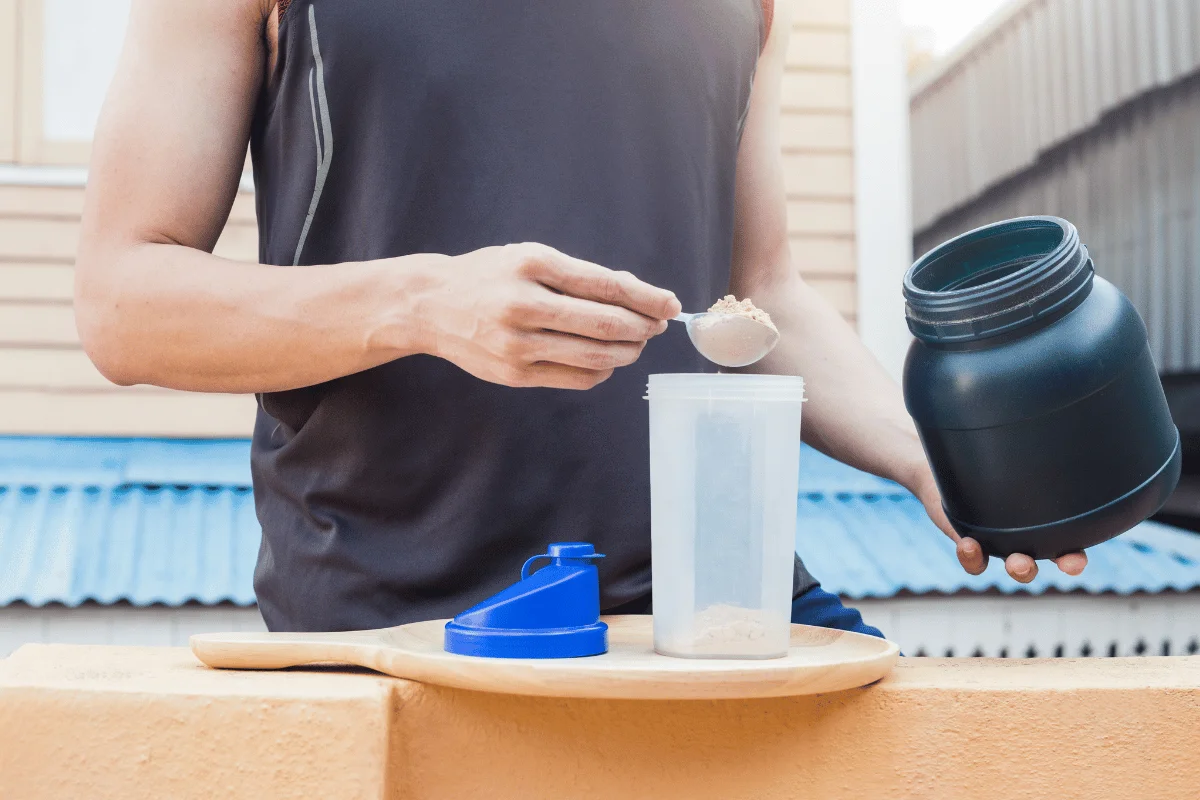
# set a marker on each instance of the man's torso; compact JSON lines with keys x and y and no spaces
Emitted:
{"x":606,"y":130}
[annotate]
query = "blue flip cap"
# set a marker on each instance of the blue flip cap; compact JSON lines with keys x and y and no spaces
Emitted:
{"x":551,"y":613}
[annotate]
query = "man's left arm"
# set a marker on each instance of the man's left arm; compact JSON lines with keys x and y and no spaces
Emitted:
{"x":855,"y":412}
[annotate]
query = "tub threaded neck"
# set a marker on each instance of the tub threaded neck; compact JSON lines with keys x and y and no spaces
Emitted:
{"x":997,"y":279}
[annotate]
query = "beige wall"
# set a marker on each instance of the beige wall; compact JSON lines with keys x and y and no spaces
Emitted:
{"x":818,"y":144}
{"x":47,"y":385}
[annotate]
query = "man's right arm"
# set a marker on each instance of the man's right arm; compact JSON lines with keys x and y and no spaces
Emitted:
{"x":153,"y":305}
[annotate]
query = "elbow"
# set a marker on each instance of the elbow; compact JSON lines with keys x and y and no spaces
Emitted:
{"x":110,"y":365}
{"x":104,"y":343}
{"x":103,"y":333}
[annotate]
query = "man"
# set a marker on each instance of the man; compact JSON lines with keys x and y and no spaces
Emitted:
{"x":475,"y":221}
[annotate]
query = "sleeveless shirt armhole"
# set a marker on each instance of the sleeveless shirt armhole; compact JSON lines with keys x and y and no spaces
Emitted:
{"x":768,"y":16}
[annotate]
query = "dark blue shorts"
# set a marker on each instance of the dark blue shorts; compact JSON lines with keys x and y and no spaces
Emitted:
{"x":824,"y":610}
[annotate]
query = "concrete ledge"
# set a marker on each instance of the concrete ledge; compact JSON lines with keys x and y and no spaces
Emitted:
{"x":133,"y":723}
{"x":96,"y":722}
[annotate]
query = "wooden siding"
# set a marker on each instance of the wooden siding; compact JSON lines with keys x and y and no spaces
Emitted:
{"x":47,"y":384}
{"x":818,"y":144}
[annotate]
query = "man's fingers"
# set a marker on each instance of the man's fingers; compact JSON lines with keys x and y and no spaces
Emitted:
{"x":589,"y":281}
{"x":594,"y":320}
{"x":577,"y":351}
{"x":1072,"y":563}
{"x":556,"y":376}
{"x":969,"y":552}
{"x":1021,"y":567}
{"x":971,"y":556}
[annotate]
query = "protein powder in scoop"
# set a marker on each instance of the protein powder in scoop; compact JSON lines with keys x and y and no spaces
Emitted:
{"x":742,"y":308}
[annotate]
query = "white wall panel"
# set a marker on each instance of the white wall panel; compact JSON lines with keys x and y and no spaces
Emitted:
{"x":119,"y":625}
{"x":82,"y":40}
{"x":1042,"y":626}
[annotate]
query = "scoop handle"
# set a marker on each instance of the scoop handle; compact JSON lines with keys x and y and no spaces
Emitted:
{"x":684,"y":317}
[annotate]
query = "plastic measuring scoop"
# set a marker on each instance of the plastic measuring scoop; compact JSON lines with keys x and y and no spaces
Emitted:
{"x":729,"y":340}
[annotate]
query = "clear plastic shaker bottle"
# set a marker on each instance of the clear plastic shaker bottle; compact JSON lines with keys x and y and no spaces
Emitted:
{"x":724,"y":466}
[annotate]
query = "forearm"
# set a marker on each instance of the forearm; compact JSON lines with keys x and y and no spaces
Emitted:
{"x":855,"y":411}
{"x":181,"y":318}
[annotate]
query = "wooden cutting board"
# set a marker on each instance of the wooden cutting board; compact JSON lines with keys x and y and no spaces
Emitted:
{"x":820,"y":660}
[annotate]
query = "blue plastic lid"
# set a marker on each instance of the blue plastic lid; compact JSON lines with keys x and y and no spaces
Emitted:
{"x":551,"y":613}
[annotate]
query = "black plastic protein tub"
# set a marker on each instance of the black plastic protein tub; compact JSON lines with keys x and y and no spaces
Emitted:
{"x":1034,"y":391}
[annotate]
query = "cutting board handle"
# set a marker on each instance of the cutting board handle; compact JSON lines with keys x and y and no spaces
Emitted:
{"x":279,"y":650}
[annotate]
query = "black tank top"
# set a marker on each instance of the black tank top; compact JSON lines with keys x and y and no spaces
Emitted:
{"x":608,"y":130}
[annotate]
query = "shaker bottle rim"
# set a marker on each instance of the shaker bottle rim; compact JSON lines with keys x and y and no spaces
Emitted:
{"x":724,"y":386}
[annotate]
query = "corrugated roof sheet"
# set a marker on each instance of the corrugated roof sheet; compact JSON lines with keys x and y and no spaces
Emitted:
{"x":862,"y":536}
{"x":139,"y":544}
{"x":51,"y":461}
{"x":1132,"y":187}
{"x":1040,"y":73}
{"x":152,"y":522}
{"x":144,"y":521}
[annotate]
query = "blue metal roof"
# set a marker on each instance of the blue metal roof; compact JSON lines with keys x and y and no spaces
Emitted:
{"x":142,"y":521}
{"x":153,"y":521}
{"x":862,"y":536}
{"x":139,"y":544}
{"x":49,"y":461}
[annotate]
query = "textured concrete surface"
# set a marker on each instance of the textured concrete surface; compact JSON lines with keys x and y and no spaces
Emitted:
{"x":88,"y":722}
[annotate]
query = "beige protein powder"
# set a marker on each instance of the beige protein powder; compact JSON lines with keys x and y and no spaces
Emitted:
{"x":742,"y":308}
{"x":727,"y":631}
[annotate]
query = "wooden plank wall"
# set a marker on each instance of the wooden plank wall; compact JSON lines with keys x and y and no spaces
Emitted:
{"x":818,"y":145}
{"x":48,"y":386}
